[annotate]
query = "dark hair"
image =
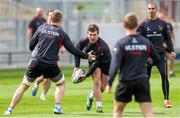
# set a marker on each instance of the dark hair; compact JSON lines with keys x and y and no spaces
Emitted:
{"x":130,"y":21}
{"x":50,"y":11}
{"x":93,"y":28}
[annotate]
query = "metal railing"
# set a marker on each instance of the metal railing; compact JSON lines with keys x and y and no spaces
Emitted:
{"x":9,"y":58}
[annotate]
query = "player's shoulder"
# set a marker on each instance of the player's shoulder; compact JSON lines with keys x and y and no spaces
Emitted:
{"x":161,"y":21}
{"x":123,"y":40}
{"x":32,"y":21}
{"x":45,"y":24}
{"x":43,"y":19}
{"x":84,"y":39}
{"x":132,"y":38}
{"x":57,"y":29}
{"x":144,"y":21}
{"x":103,"y":42}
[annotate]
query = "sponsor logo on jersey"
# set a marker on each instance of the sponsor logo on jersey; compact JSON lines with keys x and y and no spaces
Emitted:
{"x":154,"y":34}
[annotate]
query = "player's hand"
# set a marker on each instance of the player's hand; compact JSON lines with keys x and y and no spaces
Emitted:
{"x":108,"y":89}
{"x":76,"y":68}
{"x":173,"y":54}
{"x":91,"y":57}
{"x":83,"y":75}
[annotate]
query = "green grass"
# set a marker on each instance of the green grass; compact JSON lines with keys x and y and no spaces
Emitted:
{"x":75,"y":97}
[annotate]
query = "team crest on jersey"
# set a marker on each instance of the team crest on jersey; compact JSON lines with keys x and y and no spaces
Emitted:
{"x":160,"y":28}
{"x":168,"y":26}
{"x":148,"y":29}
{"x":134,"y":40}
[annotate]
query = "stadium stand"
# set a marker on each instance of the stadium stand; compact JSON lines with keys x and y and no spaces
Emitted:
{"x":16,"y":14}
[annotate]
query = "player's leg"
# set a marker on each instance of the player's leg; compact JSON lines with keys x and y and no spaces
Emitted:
{"x":142,"y":96}
{"x":103,"y":83}
{"x":118,"y":109}
{"x":104,"y":79}
{"x":36,"y":85}
{"x":45,"y":87}
{"x":146,"y":109}
{"x":170,"y":64}
{"x":59,"y":93}
{"x":55,"y":75}
{"x":104,"y":75}
{"x":96,"y":90}
{"x":19,"y":94}
{"x":162,"y":67}
{"x":123,"y":95}
{"x":32,"y":72}
{"x":171,"y":68}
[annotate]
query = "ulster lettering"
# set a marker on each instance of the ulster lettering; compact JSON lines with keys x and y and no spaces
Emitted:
{"x":135,"y":47}
{"x":50,"y":32}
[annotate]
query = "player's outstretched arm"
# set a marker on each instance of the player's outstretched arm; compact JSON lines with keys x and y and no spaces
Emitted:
{"x":72,"y":49}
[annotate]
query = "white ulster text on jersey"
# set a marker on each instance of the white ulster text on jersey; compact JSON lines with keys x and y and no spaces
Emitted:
{"x":135,"y":47}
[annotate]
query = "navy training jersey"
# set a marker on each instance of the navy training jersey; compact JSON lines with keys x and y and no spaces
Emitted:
{"x":157,"y":32}
{"x":130,"y":56}
{"x":35,"y":23}
{"x":100,"y":49}
{"x":47,"y":41}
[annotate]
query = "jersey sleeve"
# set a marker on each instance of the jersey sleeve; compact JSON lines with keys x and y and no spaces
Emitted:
{"x":71,"y":48}
{"x":115,"y":63}
{"x":80,"y":45}
{"x":34,"y":40}
{"x":167,"y":37}
{"x":95,"y":64}
{"x":171,"y":27}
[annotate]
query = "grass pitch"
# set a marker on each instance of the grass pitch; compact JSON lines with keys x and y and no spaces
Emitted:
{"x":75,"y":97}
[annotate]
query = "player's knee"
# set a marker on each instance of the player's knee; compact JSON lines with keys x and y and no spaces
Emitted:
{"x":27,"y":80}
{"x":97,"y":83}
{"x":24,"y":86}
{"x":60,"y":84}
{"x":103,"y":86}
{"x":59,"y":79}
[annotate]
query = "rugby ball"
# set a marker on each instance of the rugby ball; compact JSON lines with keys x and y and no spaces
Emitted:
{"x":76,"y":76}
